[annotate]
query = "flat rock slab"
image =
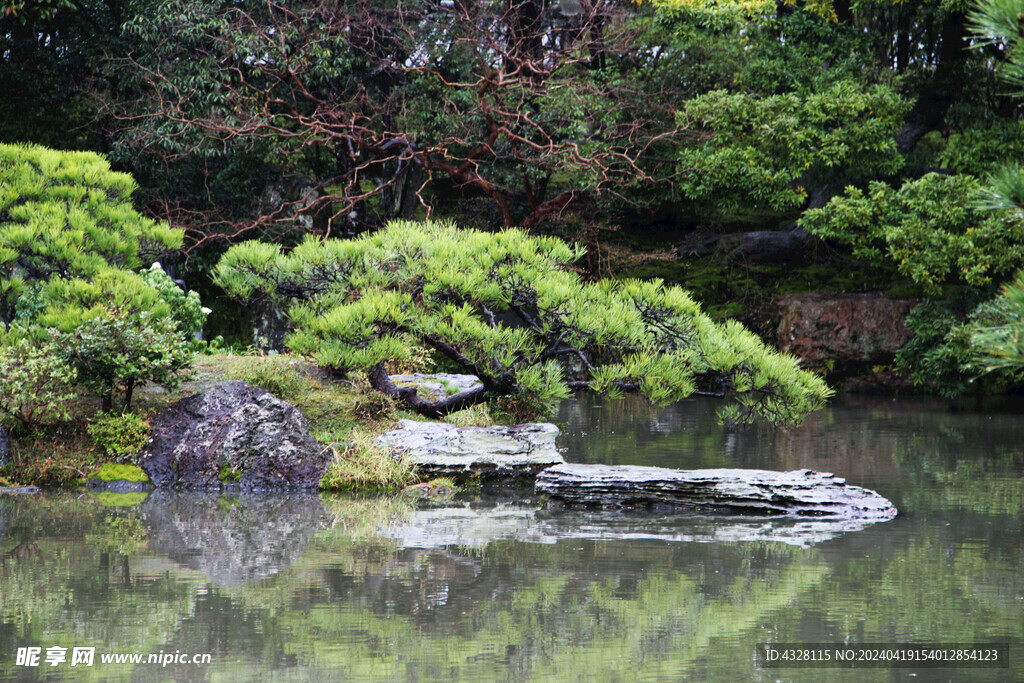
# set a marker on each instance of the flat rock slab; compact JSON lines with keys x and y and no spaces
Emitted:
{"x":438,"y":386}
{"x":440,"y":449}
{"x":803,"y":493}
{"x":19,"y":490}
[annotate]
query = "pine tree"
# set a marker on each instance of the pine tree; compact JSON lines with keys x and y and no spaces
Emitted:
{"x":509,"y":308}
{"x":998,"y":344}
{"x":70,"y":241}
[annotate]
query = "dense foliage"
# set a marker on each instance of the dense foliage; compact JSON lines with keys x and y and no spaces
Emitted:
{"x":37,"y":386}
{"x":876,"y":131}
{"x":509,"y":308}
{"x":932,"y":228}
{"x":69,"y":243}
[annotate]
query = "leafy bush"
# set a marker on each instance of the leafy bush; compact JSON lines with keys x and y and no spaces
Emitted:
{"x":186,"y":309}
{"x":279,"y":374}
{"x":120,"y":349}
{"x":119,"y":435}
{"x":944,"y":352}
{"x":932,"y":229}
{"x":758,"y":150}
{"x":37,"y":384}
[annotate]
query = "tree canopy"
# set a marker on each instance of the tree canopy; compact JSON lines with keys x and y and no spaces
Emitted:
{"x":509,"y":308}
{"x":70,"y":241}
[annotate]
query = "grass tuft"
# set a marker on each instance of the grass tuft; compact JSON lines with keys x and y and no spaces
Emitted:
{"x":361,"y":464}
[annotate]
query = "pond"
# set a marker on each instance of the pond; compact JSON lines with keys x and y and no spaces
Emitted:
{"x":343,"y":588}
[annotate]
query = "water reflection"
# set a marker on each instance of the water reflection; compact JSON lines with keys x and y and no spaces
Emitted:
{"x":480,"y":524}
{"x":377,"y":588}
{"x":232,"y":539}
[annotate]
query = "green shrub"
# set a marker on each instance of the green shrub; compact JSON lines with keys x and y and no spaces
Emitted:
{"x":119,"y":436}
{"x":36,"y":384}
{"x":279,"y":374}
{"x":122,"y":349}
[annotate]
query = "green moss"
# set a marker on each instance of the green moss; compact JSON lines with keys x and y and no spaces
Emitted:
{"x":111,"y":499}
{"x":115,"y":472}
{"x":228,"y":474}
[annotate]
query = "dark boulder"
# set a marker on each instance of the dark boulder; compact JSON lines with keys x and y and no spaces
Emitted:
{"x":233,"y":435}
{"x":801,"y":493}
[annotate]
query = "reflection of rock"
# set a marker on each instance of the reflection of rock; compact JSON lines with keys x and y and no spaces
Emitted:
{"x":437,"y":527}
{"x":759,"y":492}
{"x":489,"y":452}
{"x":5,"y":516}
{"x":438,"y":386}
{"x":855,"y":331}
{"x":232,"y":539}
{"x":233,"y":434}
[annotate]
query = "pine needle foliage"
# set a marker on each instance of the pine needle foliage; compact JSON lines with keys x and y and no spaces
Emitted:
{"x":998,"y":345}
{"x":509,"y":308}
{"x":70,"y":243}
{"x":66,"y":214}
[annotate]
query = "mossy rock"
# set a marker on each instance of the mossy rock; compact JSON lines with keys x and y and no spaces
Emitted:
{"x":116,"y":478}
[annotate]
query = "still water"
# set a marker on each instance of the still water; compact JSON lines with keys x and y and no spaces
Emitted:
{"x":489,"y":588}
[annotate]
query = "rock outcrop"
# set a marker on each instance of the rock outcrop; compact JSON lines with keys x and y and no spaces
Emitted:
{"x":438,"y":386}
{"x":801,"y":493}
{"x":850,"y":332}
{"x":440,"y":449}
{"x":233,"y":435}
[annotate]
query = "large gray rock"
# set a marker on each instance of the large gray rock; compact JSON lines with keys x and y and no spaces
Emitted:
{"x":735,"y":491}
{"x":233,"y":435}
{"x":438,"y":386}
{"x":5,"y":448}
{"x":440,"y":449}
